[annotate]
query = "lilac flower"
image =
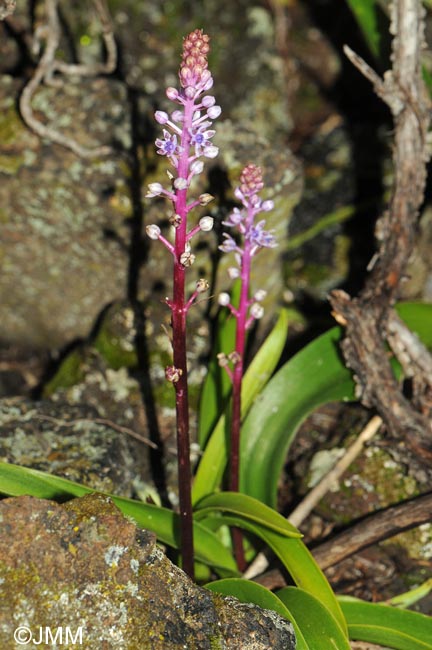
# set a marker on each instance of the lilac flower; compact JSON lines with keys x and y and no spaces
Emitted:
{"x":260,"y":237}
{"x":201,"y":137}
{"x":167,"y":146}
{"x":229,"y":245}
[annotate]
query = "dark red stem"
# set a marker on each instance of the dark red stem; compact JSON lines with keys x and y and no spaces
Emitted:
{"x":179,"y":311}
{"x":237,"y":380}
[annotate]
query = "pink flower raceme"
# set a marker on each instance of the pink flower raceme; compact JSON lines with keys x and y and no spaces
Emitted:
{"x":187,"y":134}
{"x":253,"y":237}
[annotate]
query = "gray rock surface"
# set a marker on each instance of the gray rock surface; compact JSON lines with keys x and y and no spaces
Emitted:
{"x":84,"y":567}
{"x":71,"y":441}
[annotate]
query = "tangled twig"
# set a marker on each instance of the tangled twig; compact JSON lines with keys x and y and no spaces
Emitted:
{"x":48,"y":65}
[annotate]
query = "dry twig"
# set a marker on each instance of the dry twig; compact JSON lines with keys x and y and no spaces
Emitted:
{"x":48,"y":65}
{"x":369,"y":319}
{"x":318,"y":492}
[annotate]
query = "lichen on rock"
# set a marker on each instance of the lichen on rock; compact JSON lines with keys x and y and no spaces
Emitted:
{"x":84,"y":566}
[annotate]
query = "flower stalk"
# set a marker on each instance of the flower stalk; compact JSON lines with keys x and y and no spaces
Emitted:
{"x":253,"y":238}
{"x":186,"y":138}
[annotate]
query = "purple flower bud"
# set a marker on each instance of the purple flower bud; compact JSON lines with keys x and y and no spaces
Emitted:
{"x":161,"y":117}
{"x":153,"y":231}
{"x":196,"y":167}
{"x":213,"y":112}
{"x":224,"y":299}
{"x":211,"y":151}
{"x":208,"y":101}
{"x":154,"y":189}
{"x":267,"y":206}
{"x":208,"y":84}
{"x":260,"y":295}
{"x":233,"y":272}
{"x":172,"y":94}
{"x":257,"y":311}
{"x":180,"y":183}
{"x":206,"y":224}
{"x":177,"y":116}
{"x":190,"y":92}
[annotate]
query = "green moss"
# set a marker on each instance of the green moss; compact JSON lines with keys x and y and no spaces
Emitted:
{"x":70,"y":372}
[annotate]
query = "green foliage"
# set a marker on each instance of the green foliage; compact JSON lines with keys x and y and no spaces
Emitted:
{"x":212,"y":465}
{"x":291,"y":550}
{"x":240,"y":505}
{"x":314,"y":376}
{"x":318,"y":628}
{"x":273,"y":410}
{"x":367,"y":14}
{"x":388,"y":626}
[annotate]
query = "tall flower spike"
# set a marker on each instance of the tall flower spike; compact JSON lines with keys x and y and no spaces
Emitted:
{"x":186,"y":137}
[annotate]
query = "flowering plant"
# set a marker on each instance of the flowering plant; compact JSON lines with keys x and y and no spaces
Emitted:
{"x":254,"y":237}
{"x":186,"y":139}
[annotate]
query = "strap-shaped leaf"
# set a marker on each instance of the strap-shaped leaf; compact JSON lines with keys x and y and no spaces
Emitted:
{"x":214,"y":459}
{"x":319,"y":628}
{"x":294,"y":555}
{"x":248,"y":508}
{"x":389,"y":626}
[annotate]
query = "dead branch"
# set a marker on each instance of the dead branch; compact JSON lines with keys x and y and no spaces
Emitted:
{"x":48,"y":65}
{"x":374,"y":528}
{"x":369,"y":319}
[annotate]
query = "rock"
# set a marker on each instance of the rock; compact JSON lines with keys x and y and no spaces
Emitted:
{"x":71,"y":441}
{"x":56,"y":213}
{"x":82,"y":568}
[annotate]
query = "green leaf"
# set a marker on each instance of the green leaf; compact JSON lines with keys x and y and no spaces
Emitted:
{"x":395,"y":628}
{"x":17,"y":481}
{"x":314,"y":376}
{"x":294,"y":555}
{"x":368,"y":15}
{"x":249,"y":592}
{"x":412,"y":596}
{"x":319,"y":628}
{"x":212,"y":465}
{"x":247,"y":508}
